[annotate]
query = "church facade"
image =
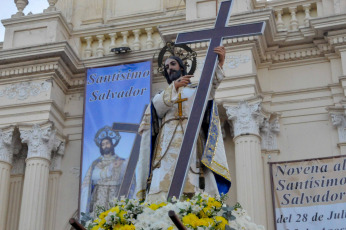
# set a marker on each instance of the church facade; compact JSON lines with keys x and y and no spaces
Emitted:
{"x":283,"y":97}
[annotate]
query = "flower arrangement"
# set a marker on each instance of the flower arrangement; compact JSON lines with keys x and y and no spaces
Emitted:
{"x":198,"y":213}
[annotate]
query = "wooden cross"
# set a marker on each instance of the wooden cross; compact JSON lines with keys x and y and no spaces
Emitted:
{"x":132,"y":162}
{"x":180,"y":104}
{"x":215,"y":37}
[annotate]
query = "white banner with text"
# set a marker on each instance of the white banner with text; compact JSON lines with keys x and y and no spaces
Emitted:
{"x":310,"y":194}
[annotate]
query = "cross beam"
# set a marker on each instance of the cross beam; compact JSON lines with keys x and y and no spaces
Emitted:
{"x":132,"y":162}
{"x":215,"y":36}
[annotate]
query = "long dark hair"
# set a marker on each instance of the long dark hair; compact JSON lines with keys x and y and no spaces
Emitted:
{"x":112,"y":146}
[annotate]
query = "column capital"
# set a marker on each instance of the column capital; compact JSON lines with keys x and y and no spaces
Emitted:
{"x":246,"y":118}
{"x":7,"y":144}
{"x":40,"y":139}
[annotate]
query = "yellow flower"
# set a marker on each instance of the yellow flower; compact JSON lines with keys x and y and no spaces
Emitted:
{"x":211,"y":199}
{"x":205,"y":222}
{"x":153,"y":206}
{"x":103,"y":214}
{"x":102,"y":222}
{"x":127,"y":227}
{"x":162,"y":204}
{"x":222,"y":224}
{"x":95,"y":227}
{"x":121,"y":214}
{"x":170,"y":228}
{"x":115,"y":209}
{"x":190,"y":219}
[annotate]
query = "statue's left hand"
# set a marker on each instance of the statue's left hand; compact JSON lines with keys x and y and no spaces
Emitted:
{"x":221,"y":53}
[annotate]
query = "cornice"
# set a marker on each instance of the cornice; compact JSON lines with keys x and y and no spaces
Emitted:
{"x":116,"y":59}
{"x":60,"y":49}
{"x":281,"y":3}
{"x":129,"y":25}
{"x":34,"y":18}
{"x":169,"y":31}
{"x":328,"y":23}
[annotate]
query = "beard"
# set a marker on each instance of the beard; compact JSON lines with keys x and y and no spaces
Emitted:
{"x":174,"y":75}
{"x":106,"y":151}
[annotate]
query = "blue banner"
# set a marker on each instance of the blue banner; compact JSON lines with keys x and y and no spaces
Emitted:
{"x":115,"y":100}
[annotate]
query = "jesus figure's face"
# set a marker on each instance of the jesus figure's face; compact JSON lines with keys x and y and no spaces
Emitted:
{"x":106,"y":147}
{"x":173,"y":69}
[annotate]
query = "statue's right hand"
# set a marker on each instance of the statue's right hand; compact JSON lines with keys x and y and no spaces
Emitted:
{"x":182,"y":81}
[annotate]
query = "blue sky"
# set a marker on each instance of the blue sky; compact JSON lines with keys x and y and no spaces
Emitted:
{"x":8,"y":7}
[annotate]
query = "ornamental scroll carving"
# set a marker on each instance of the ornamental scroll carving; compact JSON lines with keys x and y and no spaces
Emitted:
{"x":6,"y":144}
{"x":40,"y":139}
{"x":246,"y":119}
{"x":24,"y":90}
{"x":339,"y":121}
{"x":234,"y":61}
{"x":58,"y":153}
{"x":269,"y":132}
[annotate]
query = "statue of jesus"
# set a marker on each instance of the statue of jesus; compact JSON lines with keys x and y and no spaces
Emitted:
{"x":164,"y":124}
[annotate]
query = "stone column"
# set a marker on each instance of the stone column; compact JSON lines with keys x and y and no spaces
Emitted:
{"x":6,"y":156}
{"x":40,"y":140}
{"x":16,"y":188}
{"x":53,"y":184}
{"x":246,"y":120}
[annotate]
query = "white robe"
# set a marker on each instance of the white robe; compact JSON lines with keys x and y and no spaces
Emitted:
{"x":169,"y":144}
{"x":102,"y":183}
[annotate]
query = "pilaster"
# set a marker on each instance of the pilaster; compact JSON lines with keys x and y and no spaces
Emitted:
{"x":16,"y":187}
{"x":247,"y":118}
{"x":53,"y":182}
{"x":6,"y":156}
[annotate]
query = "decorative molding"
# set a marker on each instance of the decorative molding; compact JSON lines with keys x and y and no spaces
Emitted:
{"x":27,"y":69}
{"x":40,"y":139}
{"x":246,"y":119}
{"x":20,"y":4}
{"x":233,"y":61}
{"x":269,"y":132}
{"x":6,"y":144}
{"x":23,"y":90}
{"x":337,"y":40}
{"x":75,"y":171}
